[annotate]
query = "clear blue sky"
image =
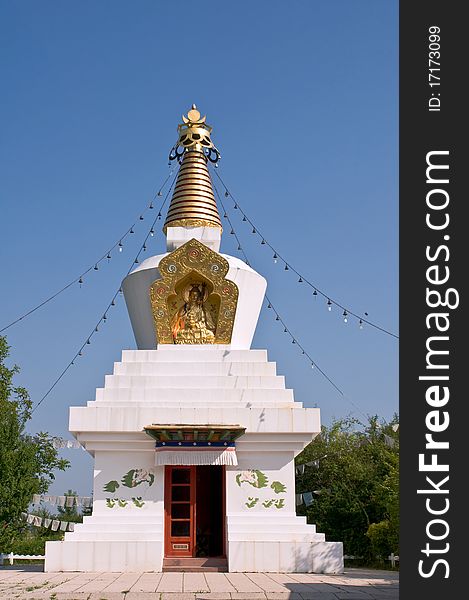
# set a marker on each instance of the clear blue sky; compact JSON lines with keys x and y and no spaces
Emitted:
{"x":303,"y":100}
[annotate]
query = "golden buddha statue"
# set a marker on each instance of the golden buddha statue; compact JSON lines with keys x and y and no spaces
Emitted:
{"x":192,"y":323}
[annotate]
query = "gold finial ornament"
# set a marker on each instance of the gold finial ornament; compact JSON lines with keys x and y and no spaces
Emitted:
{"x":193,"y":203}
{"x":193,"y":116}
{"x":194,"y":133}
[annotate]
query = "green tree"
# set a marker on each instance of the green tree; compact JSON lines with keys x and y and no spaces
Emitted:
{"x":354,"y":477}
{"x":27,"y":462}
{"x":69,"y":513}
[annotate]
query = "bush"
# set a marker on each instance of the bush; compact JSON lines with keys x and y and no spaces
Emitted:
{"x":383,"y":538}
{"x":32,"y":542}
{"x":352,"y":471}
{"x":28,"y":545}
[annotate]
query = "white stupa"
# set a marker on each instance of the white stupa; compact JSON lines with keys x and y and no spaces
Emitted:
{"x":194,"y":434}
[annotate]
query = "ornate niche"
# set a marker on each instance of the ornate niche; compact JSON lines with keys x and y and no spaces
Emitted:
{"x":193,"y":303}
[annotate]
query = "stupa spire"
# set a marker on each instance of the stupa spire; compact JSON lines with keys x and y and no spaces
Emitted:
{"x":193,"y":203}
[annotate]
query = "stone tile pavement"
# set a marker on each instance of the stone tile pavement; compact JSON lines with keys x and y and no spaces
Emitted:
{"x":30,"y":582}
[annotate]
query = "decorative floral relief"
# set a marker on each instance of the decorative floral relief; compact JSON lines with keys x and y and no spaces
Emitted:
{"x":278,"y":487}
{"x":111,"y":486}
{"x":122,"y":502}
{"x":270,"y":503}
{"x":257,"y":479}
{"x":131,"y":479}
{"x":135,"y":477}
{"x":278,"y":503}
{"x":251,"y":502}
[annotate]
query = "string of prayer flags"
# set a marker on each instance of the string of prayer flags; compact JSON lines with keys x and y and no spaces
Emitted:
{"x":68,"y":501}
{"x":300,"y":469}
{"x":389,"y":441}
{"x":307,"y":498}
{"x":58,"y":443}
{"x":53,"y":524}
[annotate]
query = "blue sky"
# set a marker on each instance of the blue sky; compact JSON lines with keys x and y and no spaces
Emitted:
{"x":302,"y":97}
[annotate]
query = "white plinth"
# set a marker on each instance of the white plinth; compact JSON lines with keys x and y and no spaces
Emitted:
{"x":196,"y":385}
{"x":178,"y":236}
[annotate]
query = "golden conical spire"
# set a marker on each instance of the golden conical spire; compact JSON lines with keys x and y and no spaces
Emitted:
{"x":193,"y":203}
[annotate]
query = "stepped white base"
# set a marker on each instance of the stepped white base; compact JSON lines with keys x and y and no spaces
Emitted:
{"x":256,"y":543}
{"x":243,"y":557}
{"x":282,"y":545}
{"x":196,"y":385}
{"x":285,"y":557}
{"x":100,"y":555}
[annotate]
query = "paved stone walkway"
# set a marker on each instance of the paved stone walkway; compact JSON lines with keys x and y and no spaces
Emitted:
{"x":30,"y":582}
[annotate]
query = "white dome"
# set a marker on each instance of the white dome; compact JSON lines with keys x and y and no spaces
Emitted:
{"x":136,"y":288}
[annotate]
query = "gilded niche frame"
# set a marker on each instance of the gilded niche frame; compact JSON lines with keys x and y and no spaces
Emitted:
{"x":193,"y":263}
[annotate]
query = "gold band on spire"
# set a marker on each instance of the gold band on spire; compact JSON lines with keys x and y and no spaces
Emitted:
{"x":193,"y":203}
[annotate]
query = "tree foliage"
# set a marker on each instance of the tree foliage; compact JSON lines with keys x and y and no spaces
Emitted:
{"x":27,"y":462}
{"x":355,"y":480}
{"x":69,"y":513}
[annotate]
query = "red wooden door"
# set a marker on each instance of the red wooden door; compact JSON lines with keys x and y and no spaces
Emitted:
{"x":179,"y":511}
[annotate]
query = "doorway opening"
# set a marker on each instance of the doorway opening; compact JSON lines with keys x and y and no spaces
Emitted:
{"x":194,"y":511}
{"x":209,"y":511}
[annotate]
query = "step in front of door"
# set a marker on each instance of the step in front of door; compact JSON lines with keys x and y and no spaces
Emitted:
{"x":195,"y":565}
